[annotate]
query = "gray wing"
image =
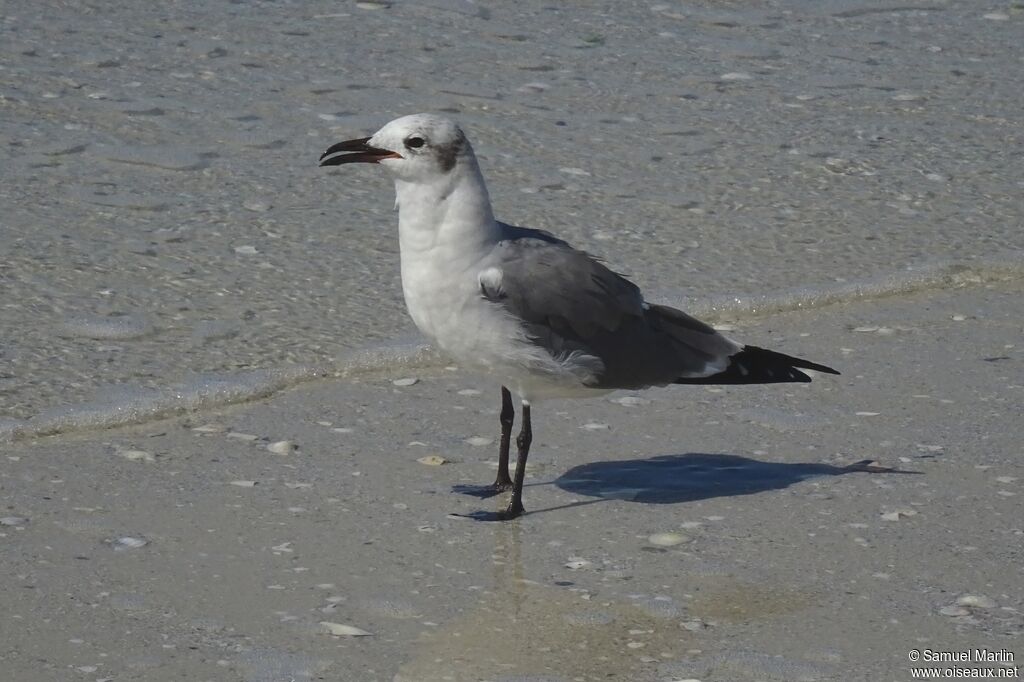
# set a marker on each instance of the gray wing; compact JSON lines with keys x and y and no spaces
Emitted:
{"x":569,"y":303}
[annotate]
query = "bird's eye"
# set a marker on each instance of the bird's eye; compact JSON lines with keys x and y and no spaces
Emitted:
{"x":415,"y":142}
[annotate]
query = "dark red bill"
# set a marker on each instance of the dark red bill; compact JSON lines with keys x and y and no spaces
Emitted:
{"x":355,"y":151}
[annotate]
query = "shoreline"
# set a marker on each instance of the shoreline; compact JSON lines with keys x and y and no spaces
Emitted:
{"x":140,"y":405}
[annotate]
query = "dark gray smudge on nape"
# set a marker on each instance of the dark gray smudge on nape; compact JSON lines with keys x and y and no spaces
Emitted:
{"x":448,"y":154}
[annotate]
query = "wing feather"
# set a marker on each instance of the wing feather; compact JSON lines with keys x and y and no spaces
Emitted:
{"x":570,"y":303}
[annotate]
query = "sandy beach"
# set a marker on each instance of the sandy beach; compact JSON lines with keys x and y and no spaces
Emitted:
{"x":228,"y":456}
{"x":675,"y":534}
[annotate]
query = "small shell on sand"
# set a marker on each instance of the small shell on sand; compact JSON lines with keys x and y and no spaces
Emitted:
{"x":631,"y":401}
{"x":898,"y":514}
{"x":976,"y":600}
{"x":408,"y":381}
{"x":282,"y":447}
{"x":667,"y":539}
{"x":137,"y":455}
{"x":128,"y":542}
{"x":341,"y":630}
{"x":244,"y":484}
{"x":432,"y":460}
{"x":256,"y":205}
{"x":13,"y":521}
{"x":576,"y":563}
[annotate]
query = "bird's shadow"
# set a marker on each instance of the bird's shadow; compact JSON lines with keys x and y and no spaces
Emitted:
{"x":669,"y":479}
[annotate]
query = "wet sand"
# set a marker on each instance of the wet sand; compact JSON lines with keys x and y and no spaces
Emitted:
{"x":679,"y":533}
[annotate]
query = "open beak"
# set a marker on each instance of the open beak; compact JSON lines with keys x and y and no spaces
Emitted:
{"x":360,"y":152}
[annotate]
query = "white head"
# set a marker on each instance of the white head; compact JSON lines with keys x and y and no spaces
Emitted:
{"x":421,"y":148}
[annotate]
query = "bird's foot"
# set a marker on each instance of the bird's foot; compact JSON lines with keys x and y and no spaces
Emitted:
{"x":484,"y":491}
{"x":512,"y":511}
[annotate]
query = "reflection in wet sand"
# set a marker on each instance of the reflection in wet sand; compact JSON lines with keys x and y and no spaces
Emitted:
{"x":523,"y":630}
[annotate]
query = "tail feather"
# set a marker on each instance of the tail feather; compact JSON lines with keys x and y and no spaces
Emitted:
{"x":754,"y":365}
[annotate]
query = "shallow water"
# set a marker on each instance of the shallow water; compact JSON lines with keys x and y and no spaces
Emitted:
{"x":165,"y":226}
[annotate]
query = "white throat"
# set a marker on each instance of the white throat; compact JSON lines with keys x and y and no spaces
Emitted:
{"x":445,"y":228}
{"x":452,"y":209}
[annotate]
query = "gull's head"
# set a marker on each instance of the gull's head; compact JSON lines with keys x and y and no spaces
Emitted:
{"x":416,"y":148}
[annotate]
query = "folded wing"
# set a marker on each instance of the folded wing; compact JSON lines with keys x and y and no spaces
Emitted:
{"x":569,"y":302}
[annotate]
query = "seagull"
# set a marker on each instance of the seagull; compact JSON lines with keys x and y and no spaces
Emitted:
{"x":521,"y":305}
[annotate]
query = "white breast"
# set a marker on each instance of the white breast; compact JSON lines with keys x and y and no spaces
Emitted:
{"x":443,"y":299}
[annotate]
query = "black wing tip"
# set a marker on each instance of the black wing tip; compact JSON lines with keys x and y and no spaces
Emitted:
{"x":793,"y":361}
{"x":824,"y":369}
{"x":753,"y":365}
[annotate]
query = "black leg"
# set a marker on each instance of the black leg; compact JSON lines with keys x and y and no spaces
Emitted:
{"x":515,"y":505}
{"x":503,"y":481}
{"x":508,"y":415}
